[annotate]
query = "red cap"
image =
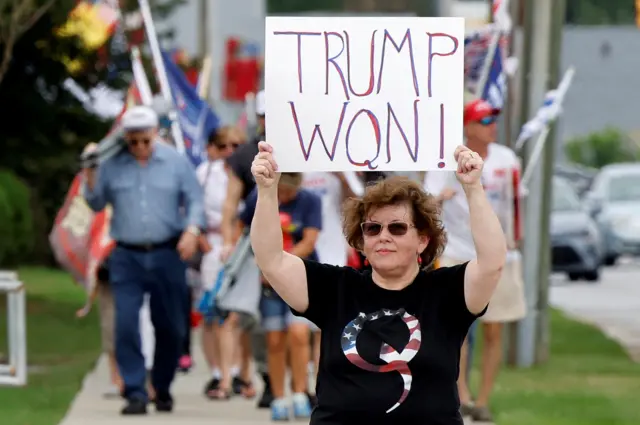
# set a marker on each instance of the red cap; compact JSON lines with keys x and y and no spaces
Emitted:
{"x":477,"y":110}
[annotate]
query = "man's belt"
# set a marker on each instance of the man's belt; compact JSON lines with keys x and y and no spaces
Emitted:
{"x":148,"y":247}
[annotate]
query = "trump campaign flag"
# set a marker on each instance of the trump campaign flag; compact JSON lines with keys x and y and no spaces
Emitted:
{"x":195,"y":117}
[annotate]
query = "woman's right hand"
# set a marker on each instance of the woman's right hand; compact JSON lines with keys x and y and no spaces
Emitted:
{"x":264,"y":167}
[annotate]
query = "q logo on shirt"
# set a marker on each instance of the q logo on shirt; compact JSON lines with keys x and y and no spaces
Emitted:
{"x":396,"y":361}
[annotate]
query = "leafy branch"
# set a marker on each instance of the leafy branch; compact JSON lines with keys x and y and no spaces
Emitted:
{"x":17,"y":17}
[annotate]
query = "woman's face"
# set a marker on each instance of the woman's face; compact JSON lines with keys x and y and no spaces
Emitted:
{"x":391,"y":242}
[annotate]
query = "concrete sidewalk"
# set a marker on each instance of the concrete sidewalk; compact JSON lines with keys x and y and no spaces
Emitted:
{"x":191,"y":408}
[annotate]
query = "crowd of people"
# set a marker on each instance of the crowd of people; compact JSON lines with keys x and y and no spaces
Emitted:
{"x":345,"y":282}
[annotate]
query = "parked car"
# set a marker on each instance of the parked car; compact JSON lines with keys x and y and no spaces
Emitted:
{"x":576,"y":244}
{"x":614,"y":203}
{"x":578,"y":176}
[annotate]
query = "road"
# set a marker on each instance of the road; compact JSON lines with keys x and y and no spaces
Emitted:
{"x":613,"y":304}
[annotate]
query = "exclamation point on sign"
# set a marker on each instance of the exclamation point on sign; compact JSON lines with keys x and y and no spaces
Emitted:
{"x":441,"y":163}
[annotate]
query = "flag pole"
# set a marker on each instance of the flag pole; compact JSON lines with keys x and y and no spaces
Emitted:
{"x":145,"y":11}
{"x":488,"y":63}
{"x":140,"y":77}
{"x":204,"y":78}
{"x":563,"y":87}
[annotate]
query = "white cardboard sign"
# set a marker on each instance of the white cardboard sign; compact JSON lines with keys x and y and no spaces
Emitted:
{"x":356,"y":94}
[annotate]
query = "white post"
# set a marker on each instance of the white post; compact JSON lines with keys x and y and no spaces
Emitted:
{"x":140,"y":77}
{"x":15,"y":372}
{"x":145,"y":11}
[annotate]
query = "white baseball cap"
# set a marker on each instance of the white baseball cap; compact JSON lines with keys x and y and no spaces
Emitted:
{"x":260,"y":106}
{"x":139,"y":118}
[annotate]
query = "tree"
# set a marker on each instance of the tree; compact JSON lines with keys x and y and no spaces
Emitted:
{"x":17,"y":17}
{"x":601,"y":148}
{"x":44,"y":128}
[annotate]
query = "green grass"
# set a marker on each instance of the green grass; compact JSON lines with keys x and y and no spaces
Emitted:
{"x":61,"y":349}
{"x":588,"y":380}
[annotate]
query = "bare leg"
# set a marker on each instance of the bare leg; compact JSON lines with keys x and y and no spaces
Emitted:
{"x":463,"y":382}
{"x":245,"y":356}
{"x":209,"y":347}
{"x":277,"y":361}
{"x":300,"y":356}
{"x":228,"y":344}
{"x":113,"y":371}
{"x":491,"y":360}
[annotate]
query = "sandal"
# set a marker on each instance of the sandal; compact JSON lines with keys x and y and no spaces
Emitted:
{"x":248,"y":391}
{"x":219,"y":394}
{"x":211,"y":387}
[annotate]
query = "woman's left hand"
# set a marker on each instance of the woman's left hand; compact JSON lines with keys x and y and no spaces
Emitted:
{"x":470,"y":166}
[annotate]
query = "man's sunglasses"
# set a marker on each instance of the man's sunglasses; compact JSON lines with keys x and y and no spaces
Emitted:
{"x":488,"y":120}
{"x":135,"y":142}
{"x":396,"y":228}
{"x":223,"y":146}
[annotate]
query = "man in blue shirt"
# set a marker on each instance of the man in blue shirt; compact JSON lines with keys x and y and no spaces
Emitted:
{"x":157,"y":216}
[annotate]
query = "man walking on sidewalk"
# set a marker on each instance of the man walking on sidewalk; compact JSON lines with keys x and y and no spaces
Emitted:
{"x":148,"y":185}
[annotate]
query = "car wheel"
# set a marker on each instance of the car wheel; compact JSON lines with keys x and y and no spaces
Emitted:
{"x":610,"y":260}
{"x":574,"y":276}
{"x":592,"y":276}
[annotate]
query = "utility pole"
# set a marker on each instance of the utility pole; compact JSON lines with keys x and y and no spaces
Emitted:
{"x":535,"y":74}
{"x":203,"y":35}
{"x":548,"y":156}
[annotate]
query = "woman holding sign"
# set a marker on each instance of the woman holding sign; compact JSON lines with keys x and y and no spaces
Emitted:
{"x":391,"y":337}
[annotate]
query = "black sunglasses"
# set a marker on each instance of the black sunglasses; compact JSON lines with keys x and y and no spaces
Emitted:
{"x":227,"y":145}
{"x":134,"y":142}
{"x":396,"y":228}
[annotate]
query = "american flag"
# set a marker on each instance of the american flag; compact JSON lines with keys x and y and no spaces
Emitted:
{"x":478,"y":45}
{"x":476,"y":49}
{"x":396,"y":361}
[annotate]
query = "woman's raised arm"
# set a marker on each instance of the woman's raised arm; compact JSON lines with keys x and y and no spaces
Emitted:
{"x":286,"y":273}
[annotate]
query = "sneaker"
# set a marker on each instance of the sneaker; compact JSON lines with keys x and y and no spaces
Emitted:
{"x":466,"y":410}
{"x":279,"y":411}
{"x":481,"y":414}
{"x":301,"y":406}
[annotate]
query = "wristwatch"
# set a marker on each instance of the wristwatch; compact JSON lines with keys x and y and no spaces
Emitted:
{"x":194,"y":230}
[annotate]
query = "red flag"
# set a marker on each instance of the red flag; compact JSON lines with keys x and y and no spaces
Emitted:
{"x":80,"y":238}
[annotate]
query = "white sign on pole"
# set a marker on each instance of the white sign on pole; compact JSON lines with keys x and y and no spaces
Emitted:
{"x":355,"y":94}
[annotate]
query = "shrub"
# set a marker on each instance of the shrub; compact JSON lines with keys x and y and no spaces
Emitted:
{"x":604,"y":147}
{"x":16,"y":219}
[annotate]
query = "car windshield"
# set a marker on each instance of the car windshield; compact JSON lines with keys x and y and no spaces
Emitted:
{"x":565,"y":198}
{"x":624,"y":188}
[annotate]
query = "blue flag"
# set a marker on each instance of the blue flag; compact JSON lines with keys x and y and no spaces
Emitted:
{"x":495,"y":90}
{"x":195,"y":117}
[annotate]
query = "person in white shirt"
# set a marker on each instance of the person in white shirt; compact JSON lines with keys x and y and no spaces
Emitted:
{"x":332,"y":247}
{"x":221,"y":338}
{"x":499,"y":178}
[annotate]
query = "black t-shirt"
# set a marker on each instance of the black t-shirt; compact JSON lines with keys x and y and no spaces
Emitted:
{"x":240,"y":163}
{"x":387,"y":357}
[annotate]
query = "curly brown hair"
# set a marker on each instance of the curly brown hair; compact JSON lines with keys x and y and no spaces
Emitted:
{"x":393,"y":191}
